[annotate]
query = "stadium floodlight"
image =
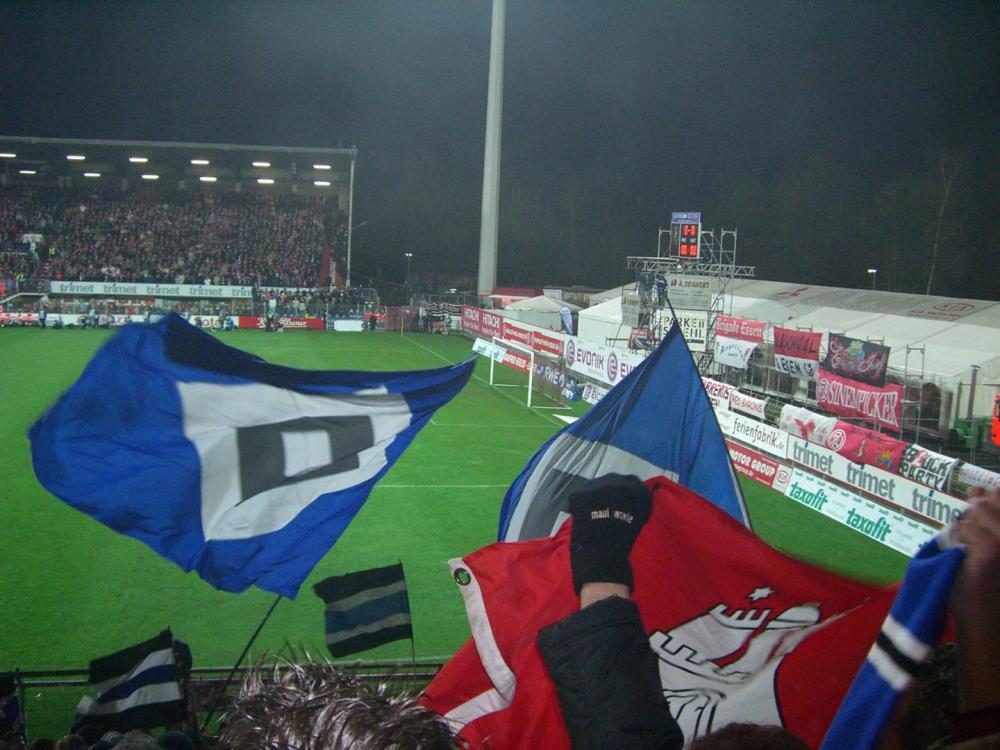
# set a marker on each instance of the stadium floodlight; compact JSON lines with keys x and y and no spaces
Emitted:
{"x":321,"y":166}
{"x":265,"y":181}
{"x":138,"y":159}
{"x":200,"y":162}
{"x":208,"y":178}
{"x":8,"y":155}
{"x":27,"y":171}
{"x":262,"y":164}
{"x":151,"y":177}
{"x":75,"y":157}
{"x":91,"y":174}
{"x":321,"y":183}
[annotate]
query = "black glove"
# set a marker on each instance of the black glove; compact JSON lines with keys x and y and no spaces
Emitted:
{"x":607,"y":517}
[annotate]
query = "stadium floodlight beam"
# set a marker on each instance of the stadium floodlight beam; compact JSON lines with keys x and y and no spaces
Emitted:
{"x":151,"y":177}
{"x":91,"y":174}
{"x":208,"y":178}
{"x":200,"y":162}
{"x":261,"y":164}
{"x":874,"y":273}
{"x":75,"y":157}
{"x":265,"y":181}
{"x":321,"y":166}
{"x":27,"y":171}
{"x":321,"y":183}
{"x":409,"y":257}
{"x":8,"y":155}
{"x":138,"y":159}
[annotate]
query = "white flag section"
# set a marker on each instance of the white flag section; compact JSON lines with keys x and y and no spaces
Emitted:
{"x":734,"y":352}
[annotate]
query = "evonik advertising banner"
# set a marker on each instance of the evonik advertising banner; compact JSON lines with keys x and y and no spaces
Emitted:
{"x":850,"y":398}
{"x":602,"y":363}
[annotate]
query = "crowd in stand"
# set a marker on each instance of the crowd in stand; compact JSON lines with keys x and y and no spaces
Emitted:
{"x":195,"y":237}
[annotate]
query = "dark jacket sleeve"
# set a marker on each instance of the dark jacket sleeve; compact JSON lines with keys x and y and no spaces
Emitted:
{"x":607,"y":679}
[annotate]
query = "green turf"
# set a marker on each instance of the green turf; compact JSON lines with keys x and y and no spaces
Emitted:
{"x":73,"y":589}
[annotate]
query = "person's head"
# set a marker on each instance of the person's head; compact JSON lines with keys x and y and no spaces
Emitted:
{"x":314,"y":706}
{"x":749,"y":737}
{"x":71,"y":742}
{"x":136,"y":740}
{"x":175,"y":740}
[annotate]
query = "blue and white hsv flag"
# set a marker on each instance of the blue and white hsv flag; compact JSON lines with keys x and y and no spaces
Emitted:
{"x":909,"y":633}
{"x":656,"y":421}
{"x":244,"y":471}
{"x":136,"y":688}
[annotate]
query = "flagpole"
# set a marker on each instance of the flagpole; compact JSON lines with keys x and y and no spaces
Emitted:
{"x":413,"y":649}
{"x":239,"y":661}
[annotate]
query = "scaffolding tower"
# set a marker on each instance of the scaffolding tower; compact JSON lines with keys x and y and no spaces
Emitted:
{"x":716,"y":261}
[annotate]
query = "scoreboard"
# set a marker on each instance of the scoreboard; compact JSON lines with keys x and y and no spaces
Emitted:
{"x":686,"y":227}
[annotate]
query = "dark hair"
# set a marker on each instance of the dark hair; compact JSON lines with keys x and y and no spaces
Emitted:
{"x":749,"y":737}
{"x":313,"y":706}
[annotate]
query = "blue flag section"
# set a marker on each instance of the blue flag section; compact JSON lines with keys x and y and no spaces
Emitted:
{"x":657,"y":421}
{"x":365,"y":609}
{"x":244,"y":471}
{"x":908,"y":635}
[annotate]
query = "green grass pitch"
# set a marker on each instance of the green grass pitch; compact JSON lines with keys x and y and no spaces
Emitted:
{"x":73,"y":590}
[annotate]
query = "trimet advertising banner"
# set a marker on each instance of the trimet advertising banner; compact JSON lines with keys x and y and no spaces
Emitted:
{"x":192,"y":291}
{"x":601,"y":363}
{"x":892,"y":488}
{"x":864,"y":516}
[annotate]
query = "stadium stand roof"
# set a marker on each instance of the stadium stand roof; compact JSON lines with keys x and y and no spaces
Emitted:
{"x":66,"y":162}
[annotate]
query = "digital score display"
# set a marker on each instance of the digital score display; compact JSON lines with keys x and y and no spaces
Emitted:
{"x":688,"y":240}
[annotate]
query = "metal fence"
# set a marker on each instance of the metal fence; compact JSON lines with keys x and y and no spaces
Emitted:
{"x":49,"y":698}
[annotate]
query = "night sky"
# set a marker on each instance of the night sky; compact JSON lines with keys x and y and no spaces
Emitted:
{"x":823,"y":132}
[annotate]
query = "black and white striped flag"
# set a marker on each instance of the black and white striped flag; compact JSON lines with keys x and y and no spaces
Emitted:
{"x":365,"y":609}
{"x":136,"y":687}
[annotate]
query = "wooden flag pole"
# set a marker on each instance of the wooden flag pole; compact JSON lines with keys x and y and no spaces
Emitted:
{"x":239,"y":661}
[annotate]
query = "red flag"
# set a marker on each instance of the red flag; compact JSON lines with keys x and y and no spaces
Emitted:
{"x":742,"y":631}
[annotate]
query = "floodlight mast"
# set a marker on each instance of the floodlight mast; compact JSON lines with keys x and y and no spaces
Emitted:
{"x":489,"y":222}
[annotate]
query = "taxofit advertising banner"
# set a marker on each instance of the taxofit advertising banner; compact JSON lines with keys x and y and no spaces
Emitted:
{"x":850,"y":398}
{"x":859,"y":360}
{"x":864,"y":516}
{"x":796,"y":353}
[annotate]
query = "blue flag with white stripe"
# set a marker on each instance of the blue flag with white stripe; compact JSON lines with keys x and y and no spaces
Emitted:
{"x":909,"y":633}
{"x":656,"y":421}
{"x":244,"y":471}
{"x":136,"y":688}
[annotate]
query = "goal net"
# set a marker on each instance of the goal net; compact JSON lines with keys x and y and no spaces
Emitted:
{"x":514,"y":365}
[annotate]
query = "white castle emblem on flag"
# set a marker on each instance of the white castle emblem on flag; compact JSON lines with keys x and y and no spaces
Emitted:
{"x":720,"y":667}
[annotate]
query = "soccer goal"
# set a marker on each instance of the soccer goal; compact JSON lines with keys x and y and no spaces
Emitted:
{"x":541,"y":377}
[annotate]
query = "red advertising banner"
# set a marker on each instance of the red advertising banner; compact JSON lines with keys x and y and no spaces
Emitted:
{"x":517,"y":360}
{"x":517,"y":334}
{"x":490,"y":324}
{"x":750,"y":463}
{"x":743,"y":329}
{"x":471,"y":319}
{"x":541,"y":342}
{"x":798,"y":344}
{"x":864,"y":446}
{"x":291,"y":324}
{"x":851,"y":398}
